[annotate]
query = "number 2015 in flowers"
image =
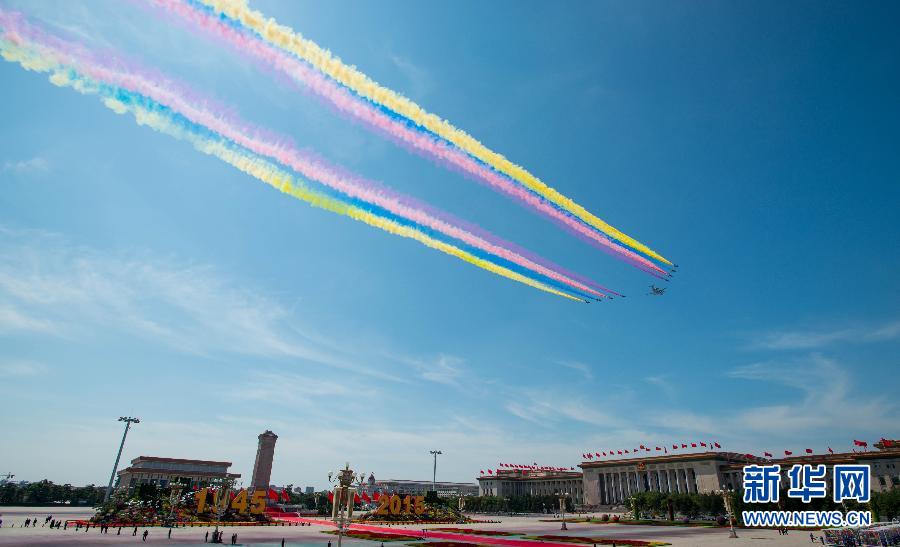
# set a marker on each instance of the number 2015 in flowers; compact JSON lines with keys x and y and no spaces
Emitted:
{"x":395,"y":505}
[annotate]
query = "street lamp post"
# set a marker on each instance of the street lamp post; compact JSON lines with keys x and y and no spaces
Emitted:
{"x":344,"y":491}
{"x":128,"y":421}
{"x":221,"y":501}
{"x":726,"y":497}
{"x":434,"y":474}
{"x":562,"y":509}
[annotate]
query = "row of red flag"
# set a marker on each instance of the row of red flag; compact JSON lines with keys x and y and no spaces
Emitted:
{"x":886,"y":443}
{"x":534,"y":467}
{"x":664,"y":449}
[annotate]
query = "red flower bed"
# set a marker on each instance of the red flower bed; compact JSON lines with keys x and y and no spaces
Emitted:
{"x":478,"y":532}
{"x":598,"y":541}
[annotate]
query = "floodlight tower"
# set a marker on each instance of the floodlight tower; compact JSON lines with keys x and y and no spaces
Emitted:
{"x":434,"y":474}
{"x":128,"y":421}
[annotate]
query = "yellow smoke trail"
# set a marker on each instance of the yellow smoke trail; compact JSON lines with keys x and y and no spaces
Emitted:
{"x":252,"y":165}
{"x":289,"y":40}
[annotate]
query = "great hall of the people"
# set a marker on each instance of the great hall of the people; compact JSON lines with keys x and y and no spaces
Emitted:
{"x":611,"y":482}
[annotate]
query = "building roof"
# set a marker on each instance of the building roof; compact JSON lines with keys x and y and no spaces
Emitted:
{"x":839,"y":458}
{"x":176,"y":472}
{"x":672,"y":458}
{"x":402,"y":481}
{"x":528,"y":475}
{"x":178,"y":460}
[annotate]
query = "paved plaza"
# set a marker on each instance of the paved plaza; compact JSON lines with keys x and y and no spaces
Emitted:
{"x":313,"y":536}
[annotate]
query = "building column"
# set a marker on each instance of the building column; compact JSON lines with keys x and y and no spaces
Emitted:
{"x":606,"y":489}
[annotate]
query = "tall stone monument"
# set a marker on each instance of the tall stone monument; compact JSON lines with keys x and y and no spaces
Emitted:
{"x":265,"y":452}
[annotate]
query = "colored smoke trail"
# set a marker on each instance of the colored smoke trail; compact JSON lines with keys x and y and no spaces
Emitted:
{"x":170,"y":95}
{"x":289,"y":40}
{"x":399,"y":130}
{"x":148,"y":112}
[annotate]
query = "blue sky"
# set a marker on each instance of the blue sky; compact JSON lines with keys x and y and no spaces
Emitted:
{"x":753,"y":143}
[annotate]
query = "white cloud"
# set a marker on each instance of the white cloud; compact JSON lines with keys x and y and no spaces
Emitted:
{"x":12,"y":319}
{"x":36,"y":164}
{"x":420,"y":81}
{"x":47,"y":285}
{"x":19,"y":369}
{"x":812,"y":339}
{"x":826,"y":399}
{"x":581,"y":368}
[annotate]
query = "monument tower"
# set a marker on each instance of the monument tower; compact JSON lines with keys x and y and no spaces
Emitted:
{"x":265,"y":452}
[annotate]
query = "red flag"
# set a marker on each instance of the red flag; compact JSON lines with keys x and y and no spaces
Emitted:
{"x":356,"y":498}
{"x":693,"y":445}
{"x":620,"y":452}
{"x":604,"y":454}
{"x":482,"y":472}
{"x":749,"y":456}
{"x":787,"y":452}
{"x":658,"y":449}
{"x":232,"y":495}
{"x":597,"y":454}
{"x":809,"y":450}
{"x":331,"y":496}
{"x":573,"y":469}
{"x":376,"y":496}
{"x":273,"y":495}
{"x":642,"y":446}
{"x":626,"y":451}
{"x":366,"y":497}
{"x":674,"y":447}
{"x":830,"y":450}
{"x":887,"y":443}
{"x":717,"y":445}
{"x":768,"y":455}
{"x":860,"y":443}
{"x":285,"y":496}
{"x":702,"y":444}
{"x":490,"y":472}
{"x":683,"y":445}
{"x":590,"y":456}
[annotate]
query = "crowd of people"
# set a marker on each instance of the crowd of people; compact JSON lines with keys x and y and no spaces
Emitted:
{"x":52,"y":523}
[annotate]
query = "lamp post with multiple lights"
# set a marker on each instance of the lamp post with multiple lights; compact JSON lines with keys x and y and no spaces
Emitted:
{"x":128,"y":421}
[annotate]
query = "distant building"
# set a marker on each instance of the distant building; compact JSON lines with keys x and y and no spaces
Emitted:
{"x":420,"y":488}
{"x":165,"y":471}
{"x":516,"y":482}
{"x":611,"y":482}
{"x":265,"y":453}
{"x":310,"y":490}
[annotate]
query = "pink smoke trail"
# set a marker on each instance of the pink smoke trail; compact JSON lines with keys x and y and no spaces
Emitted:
{"x":417,"y":141}
{"x":247,"y":136}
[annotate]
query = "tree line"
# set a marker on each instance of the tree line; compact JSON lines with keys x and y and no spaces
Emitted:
{"x":515,"y":504}
{"x":48,"y":493}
